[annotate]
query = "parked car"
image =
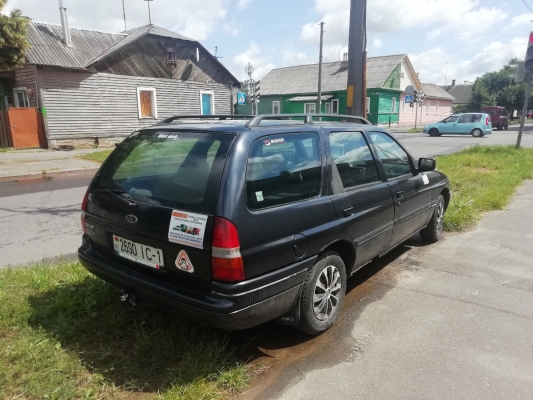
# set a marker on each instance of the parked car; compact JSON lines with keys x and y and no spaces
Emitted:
{"x":475,"y":124}
{"x":284,"y":212}
{"x":498,"y":116}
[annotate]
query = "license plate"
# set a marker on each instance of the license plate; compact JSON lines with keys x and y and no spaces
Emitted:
{"x":140,"y":253}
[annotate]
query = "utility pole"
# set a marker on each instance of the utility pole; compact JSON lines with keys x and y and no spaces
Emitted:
{"x":320,"y":68}
{"x":524,"y":110}
{"x":356,"y":91}
{"x":149,"y":12}
{"x":124,"y":13}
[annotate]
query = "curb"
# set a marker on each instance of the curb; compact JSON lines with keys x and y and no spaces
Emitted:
{"x":15,"y":178}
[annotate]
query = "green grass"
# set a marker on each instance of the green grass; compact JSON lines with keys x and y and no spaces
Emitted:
{"x":99,"y":156}
{"x":64,"y":335}
{"x":5,"y":149}
{"x":482,"y":179}
{"x":414,"y":130}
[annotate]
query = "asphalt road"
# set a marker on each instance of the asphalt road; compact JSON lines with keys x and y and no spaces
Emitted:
{"x":39,"y":218}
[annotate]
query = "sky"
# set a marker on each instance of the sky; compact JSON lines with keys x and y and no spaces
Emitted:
{"x":445,"y":39}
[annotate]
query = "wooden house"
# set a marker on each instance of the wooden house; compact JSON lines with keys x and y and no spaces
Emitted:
{"x":91,"y":85}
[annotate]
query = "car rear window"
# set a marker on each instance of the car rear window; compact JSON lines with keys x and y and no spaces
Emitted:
{"x":173,"y":169}
{"x":283,"y":169}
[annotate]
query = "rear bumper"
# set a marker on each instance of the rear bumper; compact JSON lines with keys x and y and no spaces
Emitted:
{"x":227,"y":306}
{"x":487,"y":131}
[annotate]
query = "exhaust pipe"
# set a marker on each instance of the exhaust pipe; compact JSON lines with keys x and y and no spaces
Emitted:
{"x":128,"y":299}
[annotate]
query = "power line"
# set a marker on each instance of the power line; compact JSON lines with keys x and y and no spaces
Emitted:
{"x":527,"y":6}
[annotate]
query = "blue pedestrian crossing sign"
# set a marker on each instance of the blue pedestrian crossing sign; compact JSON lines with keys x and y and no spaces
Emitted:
{"x":408,"y":99}
{"x":241,"y":98}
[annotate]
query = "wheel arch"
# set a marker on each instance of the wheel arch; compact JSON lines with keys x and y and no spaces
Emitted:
{"x":345,"y":250}
{"x":447,"y":196}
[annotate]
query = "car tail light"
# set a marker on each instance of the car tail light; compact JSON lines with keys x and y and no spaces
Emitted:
{"x":83,"y":209}
{"x":487,"y":121}
{"x":226,"y":259}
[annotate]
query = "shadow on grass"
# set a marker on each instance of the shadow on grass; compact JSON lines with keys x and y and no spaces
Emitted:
{"x":145,"y":349}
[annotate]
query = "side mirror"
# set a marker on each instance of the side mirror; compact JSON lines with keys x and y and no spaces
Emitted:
{"x":426,"y":164}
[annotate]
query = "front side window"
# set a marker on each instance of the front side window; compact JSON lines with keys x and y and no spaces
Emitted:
{"x":147,"y":104}
{"x":394,"y":159}
{"x":310,"y":108}
{"x":453,"y":118}
{"x":353,"y":159}
{"x":275,"y":107}
{"x":283,"y":169}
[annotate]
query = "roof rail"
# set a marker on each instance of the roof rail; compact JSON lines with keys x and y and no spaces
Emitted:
{"x":221,"y":117}
{"x":256,"y":120}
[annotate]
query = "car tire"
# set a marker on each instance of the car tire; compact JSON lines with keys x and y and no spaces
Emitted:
{"x":499,"y":127}
{"x":477,"y":133}
{"x":323,"y":294}
{"x":434,"y":132}
{"x":433,"y":232}
{"x":506,"y":127}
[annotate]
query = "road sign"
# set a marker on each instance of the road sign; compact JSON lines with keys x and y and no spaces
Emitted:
{"x":409,"y":90}
{"x":241,"y":98}
{"x":249,"y":69}
{"x":408,"y":99}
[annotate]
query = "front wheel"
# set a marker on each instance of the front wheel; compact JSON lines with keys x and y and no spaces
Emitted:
{"x":434,"y":132}
{"x":506,"y":127}
{"x":499,"y":127}
{"x":433,"y":232}
{"x":477,"y":133}
{"x":322,"y":294}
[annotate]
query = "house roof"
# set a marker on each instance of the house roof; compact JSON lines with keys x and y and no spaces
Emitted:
{"x":47,"y":47}
{"x":302,"y":79}
{"x":435,"y":91}
{"x":461,"y":93}
{"x":135,"y":34}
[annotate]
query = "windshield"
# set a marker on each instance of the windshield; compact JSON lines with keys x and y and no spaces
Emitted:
{"x":174,"y":169}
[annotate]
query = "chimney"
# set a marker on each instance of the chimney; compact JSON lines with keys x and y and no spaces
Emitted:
{"x":345,"y":57}
{"x":64,"y":23}
{"x":453,"y":82}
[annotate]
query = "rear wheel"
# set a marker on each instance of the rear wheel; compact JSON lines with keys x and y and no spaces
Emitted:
{"x":499,"y":127}
{"x":433,"y":231}
{"x":506,"y":126}
{"x":322,"y":294}
{"x":477,"y":133}
{"x":434,"y":132}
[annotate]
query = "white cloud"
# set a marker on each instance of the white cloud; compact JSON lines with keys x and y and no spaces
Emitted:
{"x":519,"y":20}
{"x":377,"y":43}
{"x":292,"y":57}
{"x":231,"y":28}
{"x":252,"y":55}
{"x":193,"y":18}
{"x":244,"y":3}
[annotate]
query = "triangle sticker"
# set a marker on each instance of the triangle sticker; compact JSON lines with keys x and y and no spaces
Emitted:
{"x":183,"y":262}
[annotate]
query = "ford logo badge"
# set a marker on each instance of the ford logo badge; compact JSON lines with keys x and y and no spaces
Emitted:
{"x":132,"y":219}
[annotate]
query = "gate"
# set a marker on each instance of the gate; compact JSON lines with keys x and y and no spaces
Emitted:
{"x":24,"y":124}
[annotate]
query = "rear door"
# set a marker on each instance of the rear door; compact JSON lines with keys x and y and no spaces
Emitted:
{"x":362,"y":200}
{"x":410,"y":190}
{"x":154,"y":199}
{"x":465,"y":125}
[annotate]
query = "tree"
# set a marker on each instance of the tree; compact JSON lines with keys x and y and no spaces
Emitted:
{"x":481,"y":97}
{"x":13,"y":42}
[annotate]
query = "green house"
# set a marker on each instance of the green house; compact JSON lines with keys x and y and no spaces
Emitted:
{"x":293,"y":90}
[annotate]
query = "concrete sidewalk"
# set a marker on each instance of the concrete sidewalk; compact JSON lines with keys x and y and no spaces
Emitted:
{"x":19,"y":163}
{"x":451,"y":320}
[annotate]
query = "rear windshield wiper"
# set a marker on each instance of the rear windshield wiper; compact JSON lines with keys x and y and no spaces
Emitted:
{"x":128,"y":198}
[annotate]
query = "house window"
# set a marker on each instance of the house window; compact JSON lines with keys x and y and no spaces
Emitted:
{"x":275,"y":107}
{"x":310,"y":108}
{"x":21,"y":98}
{"x":147,"y":103}
{"x":393,"y":108}
{"x":403,"y":106}
{"x":207,"y":103}
{"x":427,"y":107}
{"x":327,"y":108}
{"x":437,"y":108}
{"x":368,"y":105}
{"x":171,"y":55}
{"x":335,"y":106}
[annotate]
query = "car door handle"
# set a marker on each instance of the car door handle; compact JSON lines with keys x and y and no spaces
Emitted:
{"x":399,"y":194}
{"x":348,"y":212}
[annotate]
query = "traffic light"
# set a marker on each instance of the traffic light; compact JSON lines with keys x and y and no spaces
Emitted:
{"x":416,"y":97}
{"x":257,"y":92}
{"x":519,"y":74}
{"x":529,"y":53}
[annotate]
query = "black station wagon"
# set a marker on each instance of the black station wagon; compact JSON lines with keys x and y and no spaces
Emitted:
{"x":233,"y":221}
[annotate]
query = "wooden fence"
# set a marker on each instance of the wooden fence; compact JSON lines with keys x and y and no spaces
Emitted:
{"x":5,"y":130}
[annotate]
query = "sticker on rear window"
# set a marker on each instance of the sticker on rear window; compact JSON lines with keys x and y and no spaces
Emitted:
{"x":269,"y":142}
{"x":187,"y":228}
{"x":184,"y":263}
{"x":259,"y":196}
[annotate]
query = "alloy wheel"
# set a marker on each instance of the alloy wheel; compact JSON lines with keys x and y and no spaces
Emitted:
{"x":440,"y":217}
{"x":326,"y":293}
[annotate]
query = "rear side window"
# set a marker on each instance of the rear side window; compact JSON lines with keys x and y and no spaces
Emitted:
{"x":176,"y":169}
{"x":283,"y":169}
{"x":352,"y":158}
